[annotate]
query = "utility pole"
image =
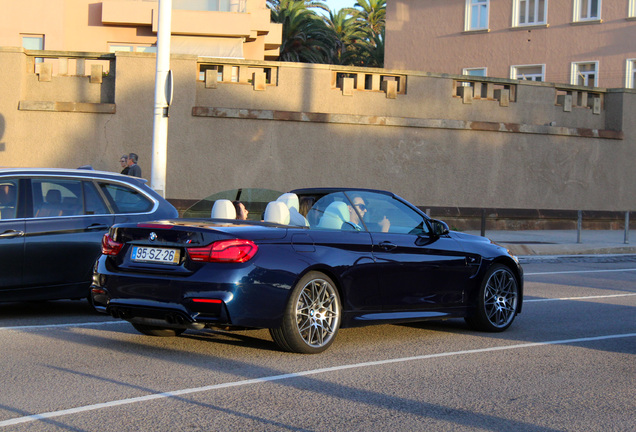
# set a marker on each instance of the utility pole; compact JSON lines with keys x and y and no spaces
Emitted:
{"x":163,"y":99}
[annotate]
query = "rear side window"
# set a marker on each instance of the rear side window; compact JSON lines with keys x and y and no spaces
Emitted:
{"x":126,"y":200}
{"x":57,"y":197}
{"x":8,"y":198}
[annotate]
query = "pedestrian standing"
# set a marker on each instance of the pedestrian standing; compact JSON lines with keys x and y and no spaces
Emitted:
{"x":133,"y":169}
{"x":124,"y":164}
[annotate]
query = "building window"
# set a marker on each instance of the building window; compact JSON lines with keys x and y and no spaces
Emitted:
{"x":587,"y":10}
{"x":630,"y":82}
{"x":528,"y":72}
{"x":210,"y":5}
{"x":476,"y":15}
{"x":530,"y":12}
{"x":33,"y":42}
{"x":585,"y":74}
{"x":116,"y":47}
{"x":475,"y":71}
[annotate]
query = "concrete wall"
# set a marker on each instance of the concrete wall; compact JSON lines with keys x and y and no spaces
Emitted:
{"x":496,"y":143}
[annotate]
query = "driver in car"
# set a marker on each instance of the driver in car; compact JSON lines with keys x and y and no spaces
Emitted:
{"x":361,"y":208}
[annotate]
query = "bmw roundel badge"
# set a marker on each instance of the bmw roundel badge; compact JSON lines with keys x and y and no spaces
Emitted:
{"x":153,"y":236}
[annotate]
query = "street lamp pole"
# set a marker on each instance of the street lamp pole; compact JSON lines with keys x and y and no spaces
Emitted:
{"x":163,"y":98}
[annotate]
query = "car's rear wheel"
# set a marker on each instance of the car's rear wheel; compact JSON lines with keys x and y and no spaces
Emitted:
{"x":497,"y":301}
{"x":312,"y":316}
{"x":149,"y":330}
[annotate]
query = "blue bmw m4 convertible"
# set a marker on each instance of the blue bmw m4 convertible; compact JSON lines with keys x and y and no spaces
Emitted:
{"x":315,"y":260}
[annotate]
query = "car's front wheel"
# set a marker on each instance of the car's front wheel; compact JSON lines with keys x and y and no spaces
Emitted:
{"x":497,"y":300}
{"x":312,"y":316}
{"x":150,"y":330}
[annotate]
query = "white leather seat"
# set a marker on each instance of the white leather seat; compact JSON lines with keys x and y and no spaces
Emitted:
{"x":223,"y":209}
{"x":276,"y":212}
{"x":336,"y":214}
{"x":292,"y":203}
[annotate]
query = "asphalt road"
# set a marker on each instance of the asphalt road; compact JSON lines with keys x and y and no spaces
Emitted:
{"x":568,"y":363}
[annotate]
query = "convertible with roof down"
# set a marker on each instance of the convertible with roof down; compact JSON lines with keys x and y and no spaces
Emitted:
{"x":319,"y":259}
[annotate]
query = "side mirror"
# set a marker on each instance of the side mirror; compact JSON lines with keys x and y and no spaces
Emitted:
{"x":439,"y":228}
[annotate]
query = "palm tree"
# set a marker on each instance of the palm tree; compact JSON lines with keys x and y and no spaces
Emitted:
{"x":306,"y":37}
{"x":373,"y":14}
{"x":348,"y":32}
{"x":351,"y":36}
{"x":372,"y":52}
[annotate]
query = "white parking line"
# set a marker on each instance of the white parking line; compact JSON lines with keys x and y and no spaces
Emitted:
{"x":94,"y":407}
{"x":579,"y":271}
{"x":579,"y":298}
{"x":39,"y":327}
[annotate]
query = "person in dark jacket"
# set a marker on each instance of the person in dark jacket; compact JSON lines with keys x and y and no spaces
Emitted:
{"x":124,"y":164}
{"x":133,"y":169}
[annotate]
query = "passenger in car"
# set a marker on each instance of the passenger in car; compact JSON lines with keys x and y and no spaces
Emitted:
{"x":52,"y":205}
{"x":305,"y":204}
{"x":7,"y":201}
{"x":241,"y":211}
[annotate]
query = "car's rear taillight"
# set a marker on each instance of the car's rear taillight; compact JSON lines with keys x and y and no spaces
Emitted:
{"x":110,"y":246}
{"x":225,"y":251}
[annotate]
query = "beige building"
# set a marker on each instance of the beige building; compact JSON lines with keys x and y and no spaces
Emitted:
{"x":444,"y":141}
{"x":581,"y":42}
{"x":438,"y":140}
{"x":239,"y":29}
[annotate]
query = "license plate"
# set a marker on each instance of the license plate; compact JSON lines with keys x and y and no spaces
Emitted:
{"x":155,"y":255}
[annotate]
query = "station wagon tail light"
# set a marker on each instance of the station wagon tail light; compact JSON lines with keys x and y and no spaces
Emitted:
{"x":225,"y":251}
{"x":110,"y":246}
{"x":210,"y":301}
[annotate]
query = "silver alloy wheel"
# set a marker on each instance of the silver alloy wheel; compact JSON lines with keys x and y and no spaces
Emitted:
{"x":500,"y":298}
{"x":317,"y":313}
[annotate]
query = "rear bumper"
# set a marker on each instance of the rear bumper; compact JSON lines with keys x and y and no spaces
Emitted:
{"x":245,"y":297}
{"x":173,"y":314}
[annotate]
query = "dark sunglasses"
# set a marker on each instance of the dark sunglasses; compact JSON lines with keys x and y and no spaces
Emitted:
{"x":361,"y":207}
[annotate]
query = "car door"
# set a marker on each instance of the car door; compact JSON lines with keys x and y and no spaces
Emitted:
{"x":11,"y":235}
{"x":416,"y":270}
{"x":63,"y":236}
{"x":345,"y":249}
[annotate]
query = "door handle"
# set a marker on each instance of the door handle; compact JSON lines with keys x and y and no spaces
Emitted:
{"x":387,"y":245}
{"x":11,"y":234}
{"x":96,"y":227}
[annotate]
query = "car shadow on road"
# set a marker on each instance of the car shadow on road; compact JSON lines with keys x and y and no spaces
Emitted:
{"x":234,"y":338}
{"x":248,"y":374}
{"x":47,"y":309}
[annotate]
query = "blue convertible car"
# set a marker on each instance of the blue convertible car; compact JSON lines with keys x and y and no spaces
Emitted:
{"x":319,"y":259}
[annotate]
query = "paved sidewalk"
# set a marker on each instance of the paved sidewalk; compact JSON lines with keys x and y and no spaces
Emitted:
{"x":563,"y":242}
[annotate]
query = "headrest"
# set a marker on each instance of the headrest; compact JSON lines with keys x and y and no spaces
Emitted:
{"x":54,"y":196}
{"x":335,"y":215}
{"x":223,"y":209}
{"x":290,"y":200}
{"x":295,"y":218}
{"x":7,"y":194}
{"x":277,"y":212}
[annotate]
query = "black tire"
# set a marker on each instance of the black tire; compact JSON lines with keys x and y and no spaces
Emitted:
{"x":149,"y":330}
{"x":312,"y":316}
{"x":497,"y":301}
